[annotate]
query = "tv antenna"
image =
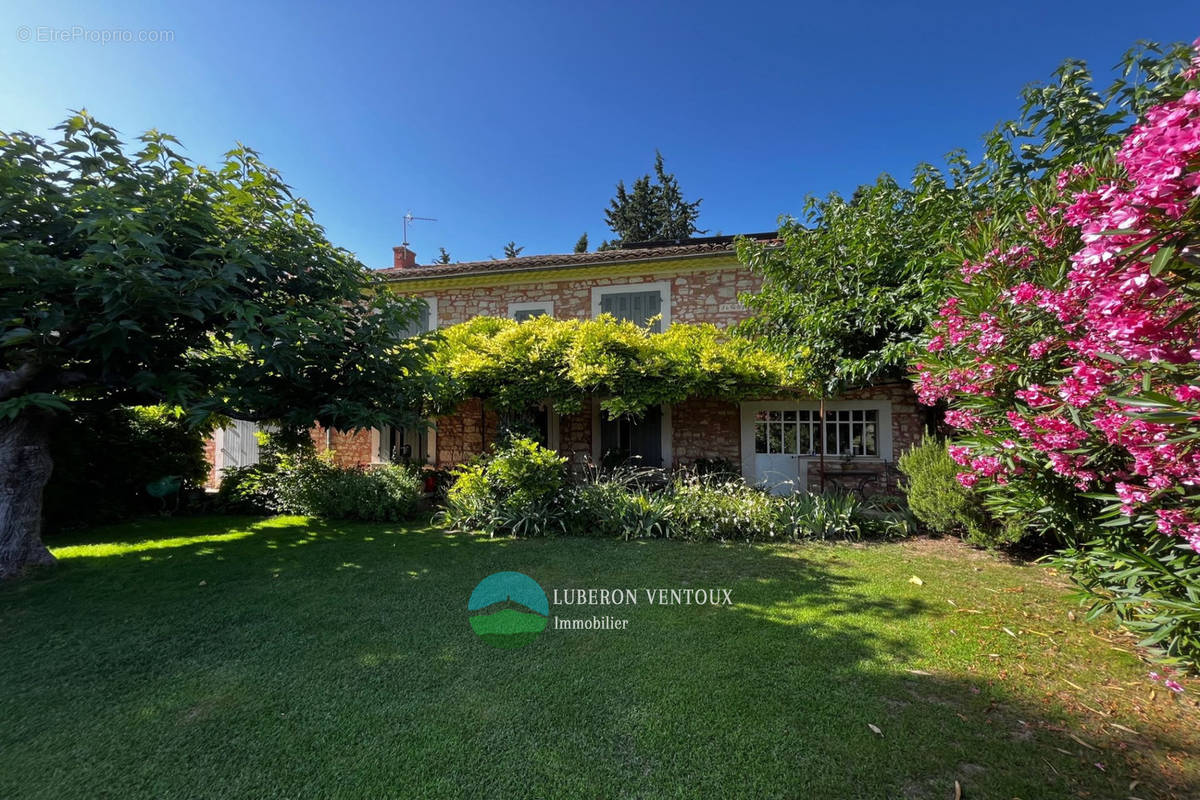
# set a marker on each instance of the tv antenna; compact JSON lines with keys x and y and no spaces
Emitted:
{"x":408,"y":218}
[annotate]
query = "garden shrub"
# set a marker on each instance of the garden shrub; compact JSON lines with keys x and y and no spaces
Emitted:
{"x":829,"y":515}
{"x":618,"y":502}
{"x":522,"y":489}
{"x":298,"y":481}
{"x":937,"y":498}
{"x":513,"y":490}
{"x":103,"y":462}
{"x":886,"y":516}
{"x":379,"y":493}
{"x":716,"y":508}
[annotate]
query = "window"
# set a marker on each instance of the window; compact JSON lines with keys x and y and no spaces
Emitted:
{"x":392,"y":446}
{"x":848,"y":432}
{"x":624,"y":438}
{"x":636,"y":302}
{"x":402,"y":445}
{"x":426,"y":320}
{"x":523,"y":311}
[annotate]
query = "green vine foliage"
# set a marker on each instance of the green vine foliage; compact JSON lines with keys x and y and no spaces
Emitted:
{"x":515,"y":366}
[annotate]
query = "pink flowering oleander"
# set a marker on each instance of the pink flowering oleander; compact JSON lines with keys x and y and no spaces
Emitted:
{"x":1055,"y":359}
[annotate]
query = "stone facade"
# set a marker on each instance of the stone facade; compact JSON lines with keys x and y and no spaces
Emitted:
{"x":698,"y":291}
{"x":210,"y":456}
{"x":698,"y":295}
{"x":350,"y":448}
{"x":706,"y":429}
{"x":575,"y":438}
{"x":700,"y":428}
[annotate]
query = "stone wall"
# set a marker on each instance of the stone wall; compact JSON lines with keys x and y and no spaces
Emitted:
{"x":706,"y":429}
{"x":464,"y":434}
{"x":708,"y":295}
{"x":575,"y":438}
{"x":210,"y":456}
{"x":350,"y":448}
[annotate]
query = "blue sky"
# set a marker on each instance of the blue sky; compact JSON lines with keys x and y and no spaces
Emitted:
{"x":514,"y":120}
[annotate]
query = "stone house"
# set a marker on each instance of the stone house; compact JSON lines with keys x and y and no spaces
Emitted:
{"x":770,"y":440}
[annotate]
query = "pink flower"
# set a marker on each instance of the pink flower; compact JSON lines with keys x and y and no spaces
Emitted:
{"x":1186,"y":394}
{"x":1173,"y":686}
{"x":1069,"y":301}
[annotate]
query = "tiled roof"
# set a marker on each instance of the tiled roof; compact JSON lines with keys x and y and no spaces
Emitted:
{"x":654,"y":252}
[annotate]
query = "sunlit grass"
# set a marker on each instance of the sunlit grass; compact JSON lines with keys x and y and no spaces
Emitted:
{"x":210,"y":657}
{"x":101,"y":550}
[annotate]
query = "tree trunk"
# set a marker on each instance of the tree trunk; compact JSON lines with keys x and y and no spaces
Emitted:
{"x":24,"y":469}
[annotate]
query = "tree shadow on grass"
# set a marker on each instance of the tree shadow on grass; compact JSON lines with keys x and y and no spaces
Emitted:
{"x":290,"y":658}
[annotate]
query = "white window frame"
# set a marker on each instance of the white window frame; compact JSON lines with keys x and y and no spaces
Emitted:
{"x":883,"y":429}
{"x":430,"y":446}
{"x":431,"y":302}
{"x":545,"y":306}
{"x":663,"y":288}
{"x":666,"y":435}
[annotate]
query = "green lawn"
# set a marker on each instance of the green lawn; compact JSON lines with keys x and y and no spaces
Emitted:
{"x":226,"y":657}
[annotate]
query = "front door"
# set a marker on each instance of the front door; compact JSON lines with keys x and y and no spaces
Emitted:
{"x":773,"y":443}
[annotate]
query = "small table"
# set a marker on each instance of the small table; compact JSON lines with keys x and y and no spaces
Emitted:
{"x":854,"y":480}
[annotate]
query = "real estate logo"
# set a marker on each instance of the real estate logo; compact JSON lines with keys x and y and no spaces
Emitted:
{"x":508,"y":610}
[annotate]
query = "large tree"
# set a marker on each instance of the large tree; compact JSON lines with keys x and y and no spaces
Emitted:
{"x":856,"y":281}
{"x":138,"y":278}
{"x":848,"y":290}
{"x":654,"y":209}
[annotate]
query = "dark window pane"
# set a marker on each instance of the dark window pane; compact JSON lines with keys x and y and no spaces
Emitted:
{"x":775,"y":438}
{"x":804,"y":439}
{"x":789,"y":437}
{"x":623,"y":438}
{"x":760,"y":437}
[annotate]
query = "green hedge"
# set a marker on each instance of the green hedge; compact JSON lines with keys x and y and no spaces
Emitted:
{"x":103,"y":462}
{"x":305,"y":483}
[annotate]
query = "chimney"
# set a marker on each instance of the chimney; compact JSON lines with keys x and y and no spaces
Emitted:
{"x":403,"y":258}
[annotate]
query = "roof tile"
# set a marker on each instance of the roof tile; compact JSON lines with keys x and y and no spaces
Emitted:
{"x":522,"y":263}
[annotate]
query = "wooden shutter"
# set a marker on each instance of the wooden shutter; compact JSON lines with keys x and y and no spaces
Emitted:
{"x":636,"y":307}
{"x":421,"y":323}
{"x":645,"y":438}
{"x":240,"y":444}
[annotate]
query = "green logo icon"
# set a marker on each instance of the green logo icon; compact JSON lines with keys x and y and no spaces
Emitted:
{"x":508,"y":610}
